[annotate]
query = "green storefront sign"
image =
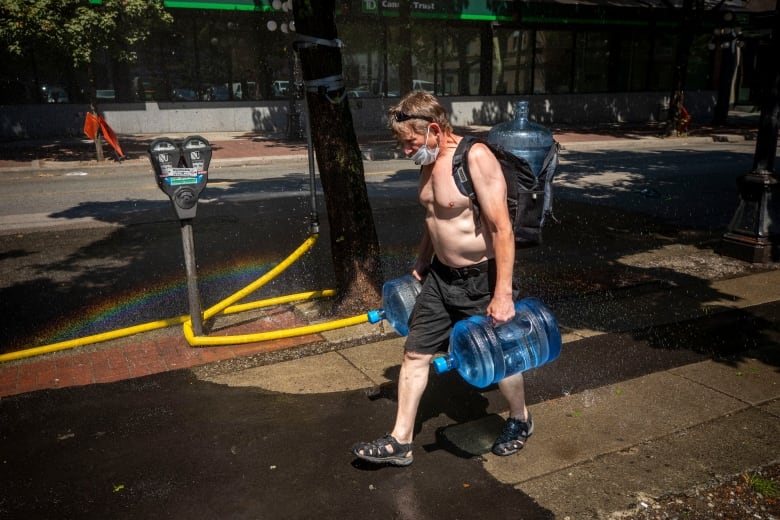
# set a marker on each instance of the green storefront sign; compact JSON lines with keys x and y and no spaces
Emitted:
{"x":448,"y":9}
{"x":474,"y":10}
{"x":221,"y":5}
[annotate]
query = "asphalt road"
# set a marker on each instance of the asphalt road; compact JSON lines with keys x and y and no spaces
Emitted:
{"x":88,"y":251}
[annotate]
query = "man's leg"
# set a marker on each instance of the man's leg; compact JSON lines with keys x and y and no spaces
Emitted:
{"x":513,"y":390}
{"x":519,"y":426}
{"x":396,"y":447}
{"x":411,"y":385}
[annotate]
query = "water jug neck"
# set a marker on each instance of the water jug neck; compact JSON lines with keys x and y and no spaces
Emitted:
{"x":375,"y":316}
{"x":521,"y":113}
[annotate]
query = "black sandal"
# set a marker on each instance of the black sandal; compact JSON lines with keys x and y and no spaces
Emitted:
{"x":514,"y":436}
{"x":385,"y":450}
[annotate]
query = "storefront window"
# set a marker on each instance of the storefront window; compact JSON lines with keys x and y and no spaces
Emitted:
{"x":699,"y":65}
{"x":662,"y":62}
{"x":214,"y":55}
{"x":459,"y":70}
{"x":553,"y":62}
{"x":516,"y":61}
{"x":592,"y":62}
{"x":365,"y":67}
{"x":633,"y":63}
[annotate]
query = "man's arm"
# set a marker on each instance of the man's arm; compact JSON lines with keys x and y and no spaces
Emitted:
{"x":491,"y":190}
{"x":424,"y":256}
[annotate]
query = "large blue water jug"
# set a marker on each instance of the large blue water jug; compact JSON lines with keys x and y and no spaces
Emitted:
{"x":523,"y":137}
{"x":483,"y":354}
{"x":398,"y":297}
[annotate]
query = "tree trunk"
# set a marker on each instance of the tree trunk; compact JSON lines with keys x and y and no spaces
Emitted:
{"x":354,"y":242}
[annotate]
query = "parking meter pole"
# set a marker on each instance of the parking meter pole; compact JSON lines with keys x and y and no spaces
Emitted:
{"x":192,"y":277}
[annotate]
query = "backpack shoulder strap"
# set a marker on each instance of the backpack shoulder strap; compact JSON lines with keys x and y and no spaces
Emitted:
{"x":460,"y":172}
{"x":551,"y":159}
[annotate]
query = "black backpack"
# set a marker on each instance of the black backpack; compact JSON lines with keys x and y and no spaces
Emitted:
{"x":529,"y":198}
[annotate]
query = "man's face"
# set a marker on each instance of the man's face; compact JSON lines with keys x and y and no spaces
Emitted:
{"x":411,"y":140}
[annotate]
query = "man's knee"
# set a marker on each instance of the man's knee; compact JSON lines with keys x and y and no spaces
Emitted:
{"x":410,"y":356}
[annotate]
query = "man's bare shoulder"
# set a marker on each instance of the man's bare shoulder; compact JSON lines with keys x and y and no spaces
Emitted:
{"x":482,"y":160}
{"x":479,"y":150}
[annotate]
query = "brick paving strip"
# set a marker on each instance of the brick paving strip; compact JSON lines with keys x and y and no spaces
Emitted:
{"x":132,"y":357}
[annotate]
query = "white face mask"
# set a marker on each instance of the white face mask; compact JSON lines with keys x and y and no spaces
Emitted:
{"x":425,"y":156}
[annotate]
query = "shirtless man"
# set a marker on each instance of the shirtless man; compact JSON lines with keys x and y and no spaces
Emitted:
{"x":465,"y":269}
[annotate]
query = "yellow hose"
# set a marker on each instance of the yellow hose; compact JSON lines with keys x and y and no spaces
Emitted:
{"x":201,"y":341}
{"x":88,"y":340}
{"x":226,"y":307}
{"x":270,"y":275}
{"x":278,"y":300}
{"x":154,"y":325}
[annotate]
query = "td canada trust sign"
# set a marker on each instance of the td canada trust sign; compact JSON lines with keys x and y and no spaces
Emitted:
{"x":474,"y":10}
{"x":372,"y":6}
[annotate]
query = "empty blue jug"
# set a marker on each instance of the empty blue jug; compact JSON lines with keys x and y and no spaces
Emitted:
{"x":483,"y":354}
{"x":398,"y":297}
{"x":523,"y":138}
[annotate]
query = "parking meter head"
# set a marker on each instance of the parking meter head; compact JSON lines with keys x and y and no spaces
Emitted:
{"x":196,"y":152}
{"x":181,"y":169}
{"x":165,"y":155}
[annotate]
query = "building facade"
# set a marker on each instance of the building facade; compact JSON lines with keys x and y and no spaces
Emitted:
{"x":219,"y":55}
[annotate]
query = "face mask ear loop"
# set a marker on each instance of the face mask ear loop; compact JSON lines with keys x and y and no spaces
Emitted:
{"x":435,"y":151}
{"x":427,"y":133}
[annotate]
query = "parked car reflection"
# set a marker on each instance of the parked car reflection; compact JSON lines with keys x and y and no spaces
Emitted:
{"x":54,"y":94}
{"x":184,"y":94}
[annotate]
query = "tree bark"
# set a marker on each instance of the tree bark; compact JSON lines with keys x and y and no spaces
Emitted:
{"x":353,"y":238}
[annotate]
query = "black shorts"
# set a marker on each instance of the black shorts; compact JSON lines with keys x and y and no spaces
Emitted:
{"x":448,"y":296}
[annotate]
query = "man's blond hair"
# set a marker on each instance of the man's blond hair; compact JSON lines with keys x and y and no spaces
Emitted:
{"x":416,"y":111}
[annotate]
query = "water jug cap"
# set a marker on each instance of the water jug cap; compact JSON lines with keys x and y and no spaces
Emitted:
{"x":375,"y":316}
{"x":441,"y":365}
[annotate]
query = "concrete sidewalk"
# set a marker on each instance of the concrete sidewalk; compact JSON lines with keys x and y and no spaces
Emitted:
{"x":622,"y":443}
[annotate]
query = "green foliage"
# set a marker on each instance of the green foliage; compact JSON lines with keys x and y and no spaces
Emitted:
{"x":78,"y":27}
{"x":23,"y":23}
{"x":761,"y":485}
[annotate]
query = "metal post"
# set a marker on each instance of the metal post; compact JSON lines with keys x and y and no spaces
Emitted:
{"x":754,"y":232}
{"x":752,"y":235}
{"x":192,"y":277}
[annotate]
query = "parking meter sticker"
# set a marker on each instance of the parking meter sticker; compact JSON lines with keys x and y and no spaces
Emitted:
{"x":181,"y":172}
{"x":178,"y":181}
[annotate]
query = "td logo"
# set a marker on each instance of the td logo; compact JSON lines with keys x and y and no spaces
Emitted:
{"x":370,"y":6}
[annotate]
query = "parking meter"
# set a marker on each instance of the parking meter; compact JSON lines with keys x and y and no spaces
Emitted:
{"x":181,"y":170}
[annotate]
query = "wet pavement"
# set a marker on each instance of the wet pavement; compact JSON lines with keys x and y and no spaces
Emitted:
{"x":668,"y":378}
